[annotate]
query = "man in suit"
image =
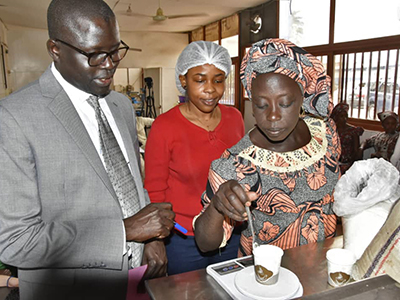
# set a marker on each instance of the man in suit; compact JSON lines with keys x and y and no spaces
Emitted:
{"x":61,"y":221}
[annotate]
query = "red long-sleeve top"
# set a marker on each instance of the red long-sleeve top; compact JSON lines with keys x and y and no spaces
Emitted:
{"x":178,"y":156}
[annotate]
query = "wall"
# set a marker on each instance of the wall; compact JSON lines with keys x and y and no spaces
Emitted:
{"x":28,"y":57}
{"x":158,"y":49}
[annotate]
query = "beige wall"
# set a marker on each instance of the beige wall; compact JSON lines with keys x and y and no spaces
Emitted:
{"x":28,"y":57}
{"x":159,"y":50}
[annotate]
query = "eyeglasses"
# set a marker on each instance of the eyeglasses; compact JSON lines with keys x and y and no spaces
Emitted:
{"x":97,"y":58}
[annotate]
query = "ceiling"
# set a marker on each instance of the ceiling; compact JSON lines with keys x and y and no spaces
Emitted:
{"x":32,"y":13}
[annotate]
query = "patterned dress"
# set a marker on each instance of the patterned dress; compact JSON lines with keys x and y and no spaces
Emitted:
{"x":383,"y":143}
{"x":295,"y":188}
{"x":347,"y":138}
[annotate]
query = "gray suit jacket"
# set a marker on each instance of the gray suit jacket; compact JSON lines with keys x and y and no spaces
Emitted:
{"x":60,"y":220}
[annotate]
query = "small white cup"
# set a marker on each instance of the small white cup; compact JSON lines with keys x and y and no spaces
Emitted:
{"x":340,"y":266}
{"x":267,"y":262}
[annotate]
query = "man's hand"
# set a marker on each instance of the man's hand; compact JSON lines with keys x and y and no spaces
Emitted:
{"x":153,"y":221}
{"x":155,"y":257}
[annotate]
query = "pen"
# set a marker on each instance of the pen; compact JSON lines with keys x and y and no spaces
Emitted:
{"x":180,"y":228}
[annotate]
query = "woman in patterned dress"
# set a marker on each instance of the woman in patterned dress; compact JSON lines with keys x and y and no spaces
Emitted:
{"x":286,"y":167}
{"x":349,"y":137}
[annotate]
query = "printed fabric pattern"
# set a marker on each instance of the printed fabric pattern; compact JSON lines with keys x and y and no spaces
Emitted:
{"x":347,"y":138}
{"x":383,"y":143}
{"x":283,"y":57}
{"x":295,"y":189}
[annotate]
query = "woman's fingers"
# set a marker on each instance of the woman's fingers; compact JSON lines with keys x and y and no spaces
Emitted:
{"x":230,"y":200}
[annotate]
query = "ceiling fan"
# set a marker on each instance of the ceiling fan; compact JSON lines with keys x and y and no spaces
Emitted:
{"x":159,"y":16}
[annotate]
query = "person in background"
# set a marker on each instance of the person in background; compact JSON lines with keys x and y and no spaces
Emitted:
{"x":384,"y":142}
{"x":74,"y":216}
{"x":183,"y":142}
{"x":141,"y":124}
{"x":349,"y":137}
{"x":286,"y":167}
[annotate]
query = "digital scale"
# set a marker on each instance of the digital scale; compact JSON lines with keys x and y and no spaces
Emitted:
{"x":236,"y":277}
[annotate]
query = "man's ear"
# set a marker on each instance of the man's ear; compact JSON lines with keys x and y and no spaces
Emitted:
{"x":182,"y":79}
{"x":53,"y":49}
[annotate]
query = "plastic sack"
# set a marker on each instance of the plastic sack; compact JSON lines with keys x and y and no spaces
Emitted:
{"x":365,"y":184}
{"x":364,"y":197}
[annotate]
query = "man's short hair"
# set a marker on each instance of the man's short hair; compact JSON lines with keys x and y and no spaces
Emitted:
{"x":64,"y":13}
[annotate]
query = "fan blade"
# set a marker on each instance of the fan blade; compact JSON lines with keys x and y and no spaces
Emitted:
{"x":188,"y":16}
{"x":132,"y":14}
{"x":115,"y":5}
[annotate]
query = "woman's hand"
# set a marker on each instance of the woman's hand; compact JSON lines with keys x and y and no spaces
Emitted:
{"x":230,"y":200}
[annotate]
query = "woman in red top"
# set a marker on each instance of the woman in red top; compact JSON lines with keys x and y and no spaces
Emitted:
{"x":183,"y":142}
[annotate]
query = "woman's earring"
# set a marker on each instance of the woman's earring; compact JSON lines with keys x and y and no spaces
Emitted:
{"x":184,"y":87}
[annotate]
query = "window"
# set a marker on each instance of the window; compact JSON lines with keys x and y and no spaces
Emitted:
{"x":232,"y":44}
{"x":369,"y":82}
{"x":304,"y":22}
{"x":230,"y":88}
{"x":360,"y":19}
{"x":361,"y":53}
{"x":230,"y":95}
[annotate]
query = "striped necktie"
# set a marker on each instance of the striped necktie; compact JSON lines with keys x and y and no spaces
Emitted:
{"x":119,"y":173}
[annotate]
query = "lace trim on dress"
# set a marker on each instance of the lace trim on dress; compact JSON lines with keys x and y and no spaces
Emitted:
{"x":294,"y":160}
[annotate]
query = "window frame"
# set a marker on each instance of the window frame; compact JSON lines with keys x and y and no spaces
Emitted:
{"x":376,"y":44}
{"x":331,"y":49}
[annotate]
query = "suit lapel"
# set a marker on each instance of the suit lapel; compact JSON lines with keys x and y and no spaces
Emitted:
{"x":62,"y":107}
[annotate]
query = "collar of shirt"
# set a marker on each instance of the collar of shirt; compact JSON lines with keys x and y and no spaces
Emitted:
{"x":76,"y":95}
{"x":87,"y":115}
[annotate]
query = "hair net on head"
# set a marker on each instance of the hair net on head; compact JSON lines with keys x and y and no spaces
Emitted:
{"x":200,"y":53}
{"x":283,"y":57}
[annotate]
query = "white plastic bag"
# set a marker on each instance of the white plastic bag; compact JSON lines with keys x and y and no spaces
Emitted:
{"x":366,"y":183}
{"x":364,"y":197}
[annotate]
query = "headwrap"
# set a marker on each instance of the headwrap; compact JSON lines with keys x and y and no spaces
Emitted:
{"x":339,"y":108}
{"x":283,"y":57}
{"x":200,"y":53}
{"x":386,"y":114}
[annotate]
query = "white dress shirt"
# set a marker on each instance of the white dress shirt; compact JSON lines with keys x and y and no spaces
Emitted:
{"x":88,"y":117}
